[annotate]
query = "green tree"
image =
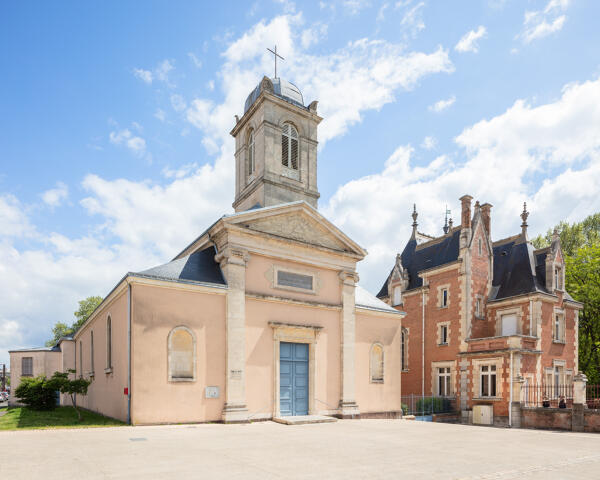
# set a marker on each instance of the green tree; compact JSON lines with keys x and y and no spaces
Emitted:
{"x":580,"y":243}
{"x":70,"y":386}
{"x":86,"y":308}
{"x":572,"y":236}
{"x":582,"y":278}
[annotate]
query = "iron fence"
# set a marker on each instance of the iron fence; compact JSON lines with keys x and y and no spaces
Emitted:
{"x":550,"y":396}
{"x":419,"y":405}
{"x":592,"y":396}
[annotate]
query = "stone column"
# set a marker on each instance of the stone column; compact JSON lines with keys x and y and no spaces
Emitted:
{"x":233,"y":263}
{"x":517,"y":399}
{"x":348,"y":407}
{"x":579,"y":404}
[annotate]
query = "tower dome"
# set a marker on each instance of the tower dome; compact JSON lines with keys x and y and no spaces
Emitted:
{"x":279,"y":87}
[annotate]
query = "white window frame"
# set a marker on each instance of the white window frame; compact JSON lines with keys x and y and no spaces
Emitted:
{"x":444,"y":377}
{"x":486,"y":372}
{"x":443,"y":331}
{"x":396,"y":295}
{"x":559,"y":327}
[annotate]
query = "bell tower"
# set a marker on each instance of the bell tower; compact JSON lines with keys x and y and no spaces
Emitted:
{"x":275,"y":147}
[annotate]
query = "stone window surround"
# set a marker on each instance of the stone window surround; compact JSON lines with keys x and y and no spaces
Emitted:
{"x":518,"y":311}
{"x":439,"y":334}
{"x":563,"y":322}
{"x":288,"y":171}
{"x":293,"y":333}
{"x":440,"y":288}
{"x":271,"y":275}
{"x":393,"y":288}
{"x":477,"y":364}
{"x":434,"y":376}
{"x":371,"y":379}
{"x":178,"y":379}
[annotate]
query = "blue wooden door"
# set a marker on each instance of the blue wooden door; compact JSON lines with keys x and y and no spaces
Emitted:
{"x":293,"y":379}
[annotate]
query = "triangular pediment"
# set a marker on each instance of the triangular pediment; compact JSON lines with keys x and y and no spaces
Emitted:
{"x":298,"y":222}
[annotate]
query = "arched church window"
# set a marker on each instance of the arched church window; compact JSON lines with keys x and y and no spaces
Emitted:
{"x":108,"y":343}
{"x":251,"y":160}
{"x":182,"y":355}
{"x":289,"y":146}
{"x":377,"y":363}
{"x":404,"y":349}
{"x":397,"y":295}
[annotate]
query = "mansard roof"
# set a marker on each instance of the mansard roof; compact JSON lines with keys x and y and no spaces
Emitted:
{"x":198,"y":267}
{"x":418,"y":257}
{"x":518,"y":268}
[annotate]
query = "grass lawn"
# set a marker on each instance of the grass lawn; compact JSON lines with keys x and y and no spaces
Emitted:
{"x":62,"y":417}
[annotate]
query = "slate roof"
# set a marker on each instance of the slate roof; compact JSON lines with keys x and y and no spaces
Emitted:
{"x":199,"y":267}
{"x":518,"y":268}
{"x":365,"y":299}
{"x":37,"y":349}
{"x":416,"y":258}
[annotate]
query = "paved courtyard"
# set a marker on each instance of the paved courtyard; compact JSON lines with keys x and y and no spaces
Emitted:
{"x":346,"y":449}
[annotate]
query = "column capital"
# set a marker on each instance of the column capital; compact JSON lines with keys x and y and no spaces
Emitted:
{"x":348,"y":277}
{"x":233,"y":256}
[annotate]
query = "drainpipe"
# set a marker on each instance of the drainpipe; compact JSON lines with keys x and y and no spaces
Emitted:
{"x":128,"y":353}
{"x":423,"y":350}
{"x":510,"y":379}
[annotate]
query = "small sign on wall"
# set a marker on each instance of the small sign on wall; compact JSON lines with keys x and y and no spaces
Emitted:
{"x":212,"y":392}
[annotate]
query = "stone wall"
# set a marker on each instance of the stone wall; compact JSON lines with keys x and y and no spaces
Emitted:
{"x":560,"y":419}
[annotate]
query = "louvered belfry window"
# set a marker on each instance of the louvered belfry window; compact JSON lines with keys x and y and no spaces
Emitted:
{"x":289,"y":146}
{"x":251,"y":153}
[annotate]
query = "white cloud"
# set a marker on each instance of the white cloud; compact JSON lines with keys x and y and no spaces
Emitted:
{"x":547,"y":155}
{"x":160,"y":73}
{"x":160,"y":114}
{"x":442,"y":105}
{"x":312,"y":36}
{"x":429,"y":143}
{"x":541,"y":23}
{"x":144,"y":75}
{"x":136,"y":144}
{"x":139,"y":224}
{"x":195,"y":60}
{"x":469,"y":41}
{"x":178,"y":103}
{"x":355,"y":6}
{"x":413,"y":19}
{"x":56,"y":196}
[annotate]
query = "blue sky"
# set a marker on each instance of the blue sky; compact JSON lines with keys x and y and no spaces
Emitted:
{"x":116,"y":152}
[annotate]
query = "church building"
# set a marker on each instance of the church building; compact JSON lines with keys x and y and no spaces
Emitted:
{"x":259,"y":317}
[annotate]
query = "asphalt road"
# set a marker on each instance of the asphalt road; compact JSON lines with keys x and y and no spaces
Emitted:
{"x":347,"y":449}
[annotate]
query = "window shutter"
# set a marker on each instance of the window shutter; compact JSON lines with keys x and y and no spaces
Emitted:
{"x":284,"y":150}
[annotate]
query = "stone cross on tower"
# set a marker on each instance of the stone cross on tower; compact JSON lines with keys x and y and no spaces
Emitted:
{"x":276,"y":55}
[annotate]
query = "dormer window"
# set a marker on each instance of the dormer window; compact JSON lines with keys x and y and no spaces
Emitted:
{"x":289,"y":146}
{"x":397,"y":296}
{"x":251,"y":160}
{"x":558,"y":278}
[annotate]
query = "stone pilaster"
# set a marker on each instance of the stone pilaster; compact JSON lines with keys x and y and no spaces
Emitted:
{"x":233,"y":263}
{"x":517,"y":400}
{"x":579,"y":403}
{"x":348,"y":406}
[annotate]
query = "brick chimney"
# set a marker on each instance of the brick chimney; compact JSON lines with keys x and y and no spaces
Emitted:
{"x":465,"y":215}
{"x":485,"y":216}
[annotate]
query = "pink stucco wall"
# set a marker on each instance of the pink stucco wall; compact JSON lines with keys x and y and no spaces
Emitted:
{"x":156,"y":311}
{"x":378,"y":397}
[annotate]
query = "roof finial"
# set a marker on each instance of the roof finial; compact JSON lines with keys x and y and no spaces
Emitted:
{"x":555,"y":234}
{"x":445,"y":227}
{"x":450,"y":223}
{"x":524,"y":216}
{"x":414,"y":217}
